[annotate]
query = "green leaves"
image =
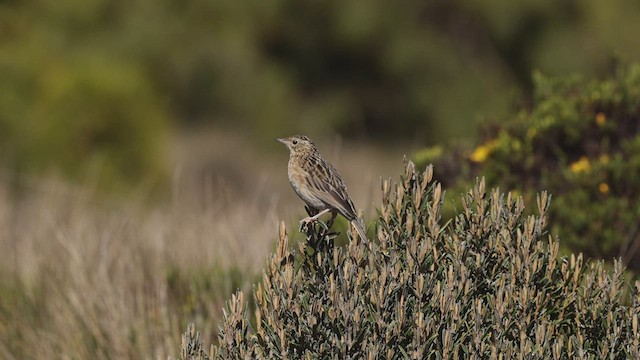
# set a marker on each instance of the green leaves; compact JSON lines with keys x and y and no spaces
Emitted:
{"x":579,"y":141}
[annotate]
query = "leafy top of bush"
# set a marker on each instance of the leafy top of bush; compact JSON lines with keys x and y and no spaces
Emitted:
{"x":488,"y":283}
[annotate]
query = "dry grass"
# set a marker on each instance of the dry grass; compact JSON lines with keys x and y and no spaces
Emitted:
{"x":85,"y":277}
{"x":81,"y":281}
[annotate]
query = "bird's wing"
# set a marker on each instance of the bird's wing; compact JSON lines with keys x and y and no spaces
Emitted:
{"x":331,"y":189}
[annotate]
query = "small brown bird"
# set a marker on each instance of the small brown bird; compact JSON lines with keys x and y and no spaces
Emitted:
{"x":318,"y":183}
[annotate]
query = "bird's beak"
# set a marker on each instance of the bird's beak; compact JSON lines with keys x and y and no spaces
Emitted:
{"x":282,"y":140}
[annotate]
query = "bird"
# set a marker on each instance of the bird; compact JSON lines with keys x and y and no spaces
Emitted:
{"x":318,"y":183}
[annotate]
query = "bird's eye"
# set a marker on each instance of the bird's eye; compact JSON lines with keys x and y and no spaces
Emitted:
{"x":295,"y":142}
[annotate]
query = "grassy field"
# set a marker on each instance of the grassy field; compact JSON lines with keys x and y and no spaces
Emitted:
{"x":85,"y":276}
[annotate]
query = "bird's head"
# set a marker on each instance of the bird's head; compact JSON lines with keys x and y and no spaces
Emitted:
{"x":298,"y":144}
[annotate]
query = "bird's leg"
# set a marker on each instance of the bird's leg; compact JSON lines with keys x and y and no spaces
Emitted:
{"x":333,"y":218}
{"x":310,"y":211}
{"x":313,"y":218}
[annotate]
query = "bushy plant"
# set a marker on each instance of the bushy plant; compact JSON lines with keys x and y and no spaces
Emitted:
{"x":580,"y":140}
{"x":488,"y":284}
{"x":91,"y":117}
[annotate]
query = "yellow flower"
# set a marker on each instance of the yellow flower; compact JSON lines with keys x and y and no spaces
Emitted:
{"x":581,"y":165}
{"x":481,"y":153}
{"x":601,"y":118}
{"x":603,"y":187}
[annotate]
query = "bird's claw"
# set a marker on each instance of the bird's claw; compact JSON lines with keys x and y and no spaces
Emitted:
{"x":304,"y":223}
{"x":308,"y":219}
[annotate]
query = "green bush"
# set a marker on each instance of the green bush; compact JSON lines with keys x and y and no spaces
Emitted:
{"x":489,"y":283}
{"x":83,"y":117}
{"x":580,"y":141}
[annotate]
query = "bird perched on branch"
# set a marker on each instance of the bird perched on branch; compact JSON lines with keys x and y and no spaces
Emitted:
{"x":318,"y":183}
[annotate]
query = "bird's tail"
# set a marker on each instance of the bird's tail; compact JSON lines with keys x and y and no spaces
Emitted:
{"x":359,"y":226}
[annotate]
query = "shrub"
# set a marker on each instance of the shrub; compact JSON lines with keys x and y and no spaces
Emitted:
{"x":85,"y":118}
{"x":490,"y":282}
{"x":581,"y":141}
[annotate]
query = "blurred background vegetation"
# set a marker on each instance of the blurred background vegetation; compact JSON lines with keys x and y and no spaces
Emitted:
{"x":183,"y":99}
{"x":107,"y":79}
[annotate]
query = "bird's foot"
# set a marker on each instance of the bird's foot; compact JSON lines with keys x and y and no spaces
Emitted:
{"x":313,"y":220}
{"x":304,"y":223}
{"x":308,"y":219}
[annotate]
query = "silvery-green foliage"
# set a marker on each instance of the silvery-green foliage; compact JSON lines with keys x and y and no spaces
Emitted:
{"x":489,"y":284}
